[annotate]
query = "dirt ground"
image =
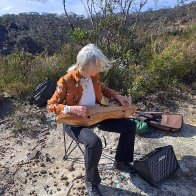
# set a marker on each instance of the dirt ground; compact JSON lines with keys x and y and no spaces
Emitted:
{"x":32,"y":150}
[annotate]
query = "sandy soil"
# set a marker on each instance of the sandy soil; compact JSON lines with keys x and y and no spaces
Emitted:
{"x":31,"y":153}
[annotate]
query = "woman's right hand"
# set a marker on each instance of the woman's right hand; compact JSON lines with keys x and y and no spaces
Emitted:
{"x":79,"y":110}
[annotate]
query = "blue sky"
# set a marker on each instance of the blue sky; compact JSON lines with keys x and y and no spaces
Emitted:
{"x":56,"y":6}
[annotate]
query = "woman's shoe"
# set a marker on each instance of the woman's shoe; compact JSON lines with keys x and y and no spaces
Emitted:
{"x":123,"y":166}
{"x":93,"y":189}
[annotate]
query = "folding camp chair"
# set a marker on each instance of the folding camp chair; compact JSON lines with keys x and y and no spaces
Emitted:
{"x":74,"y":144}
{"x":69,"y":150}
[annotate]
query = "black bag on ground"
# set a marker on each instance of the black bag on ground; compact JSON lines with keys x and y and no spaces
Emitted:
{"x":157,"y":165}
{"x":43,"y":92}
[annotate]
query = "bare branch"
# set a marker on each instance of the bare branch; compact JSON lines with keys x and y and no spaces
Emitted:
{"x":88,"y":10}
{"x":142,"y":3}
{"x":128,"y":8}
{"x":66,"y":14}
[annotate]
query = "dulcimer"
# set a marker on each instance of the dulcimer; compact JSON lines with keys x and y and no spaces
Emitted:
{"x":96,"y":114}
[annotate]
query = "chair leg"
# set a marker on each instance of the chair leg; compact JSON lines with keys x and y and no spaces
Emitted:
{"x":67,"y":149}
{"x":80,"y":148}
{"x":65,"y":156}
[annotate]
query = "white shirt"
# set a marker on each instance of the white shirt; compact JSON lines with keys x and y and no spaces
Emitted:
{"x":88,"y":94}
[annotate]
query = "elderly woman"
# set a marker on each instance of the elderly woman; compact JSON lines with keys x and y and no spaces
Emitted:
{"x":79,"y":88}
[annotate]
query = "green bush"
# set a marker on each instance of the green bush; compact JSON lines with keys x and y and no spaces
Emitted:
{"x":141,"y":64}
{"x":21,"y":72}
{"x":172,"y":64}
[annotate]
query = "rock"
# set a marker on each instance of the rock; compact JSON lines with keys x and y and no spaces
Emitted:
{"x":32,"y":192}
{"x":46,"y":187}
{"x":34,"y":146}
{"x":34,"y":154}
{"x":44,"y":134}
{"x":70,"y":167}
{"x":55,"y":184}
{"x":66,"y":183}
{"x":111,"y":152}
{"x":34,"y":180}
{"x":79,"y":176}
{"x":42,"y":165}
{"x":42,"y":139}
{"x":63,"y":177}
{"x":19,"y":141}
{"x":43,"y":171}
{"x":48,"y":159}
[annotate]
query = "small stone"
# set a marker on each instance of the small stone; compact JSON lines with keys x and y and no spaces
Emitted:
{"x":44,"y":134}
{"x":15,"y":189}
{"x":110,"y":152}
{"x":58,"y":189}
{"x":48,"y":159}
{"x":34,"y":180}
{"x":42,"y":165}
{"x":42,"y":139}
{"x":70,"y":167}
{"x":63,"y":177}
{"x":43,"y":171}
{"x":79,"y":176}
{"x":24,"y":180}
{"x":46,"y":187}
{"x":55,"y":184}
{"x":33,"y":147}
{"x":66,"y":183}
{"x":34,"y":154}
{"x":32,"y":192}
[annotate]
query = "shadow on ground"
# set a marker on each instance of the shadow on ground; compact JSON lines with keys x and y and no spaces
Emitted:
{"x":111,"y":191}
{"x":187,"y":131}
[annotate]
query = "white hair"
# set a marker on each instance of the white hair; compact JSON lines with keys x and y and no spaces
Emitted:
{"x":91,"y":55}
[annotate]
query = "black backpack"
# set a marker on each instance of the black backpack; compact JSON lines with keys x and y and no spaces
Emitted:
{"x":43,"y":92}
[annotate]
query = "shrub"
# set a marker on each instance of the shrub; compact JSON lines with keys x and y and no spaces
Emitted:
{"x":172,"y":64}
{"x":21,"y":72}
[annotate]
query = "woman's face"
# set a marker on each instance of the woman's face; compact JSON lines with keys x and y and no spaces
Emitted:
{"x":91,"y":71}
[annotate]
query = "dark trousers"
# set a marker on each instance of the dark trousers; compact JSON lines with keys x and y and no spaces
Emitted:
{"x":93,"y":144}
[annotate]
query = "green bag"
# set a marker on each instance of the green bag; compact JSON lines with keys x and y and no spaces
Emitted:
{"x":141,"y":127}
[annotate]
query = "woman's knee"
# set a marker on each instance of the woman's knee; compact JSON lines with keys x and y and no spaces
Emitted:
{"x":94,"y":141}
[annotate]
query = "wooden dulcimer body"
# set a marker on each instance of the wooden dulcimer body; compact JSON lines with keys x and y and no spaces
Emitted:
{"x":96,"y":114}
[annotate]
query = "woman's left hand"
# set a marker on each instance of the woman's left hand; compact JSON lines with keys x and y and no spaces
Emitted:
{"x":123,"y":100}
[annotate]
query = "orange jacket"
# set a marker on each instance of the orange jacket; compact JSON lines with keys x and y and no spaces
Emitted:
{"x":69,"y":91}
